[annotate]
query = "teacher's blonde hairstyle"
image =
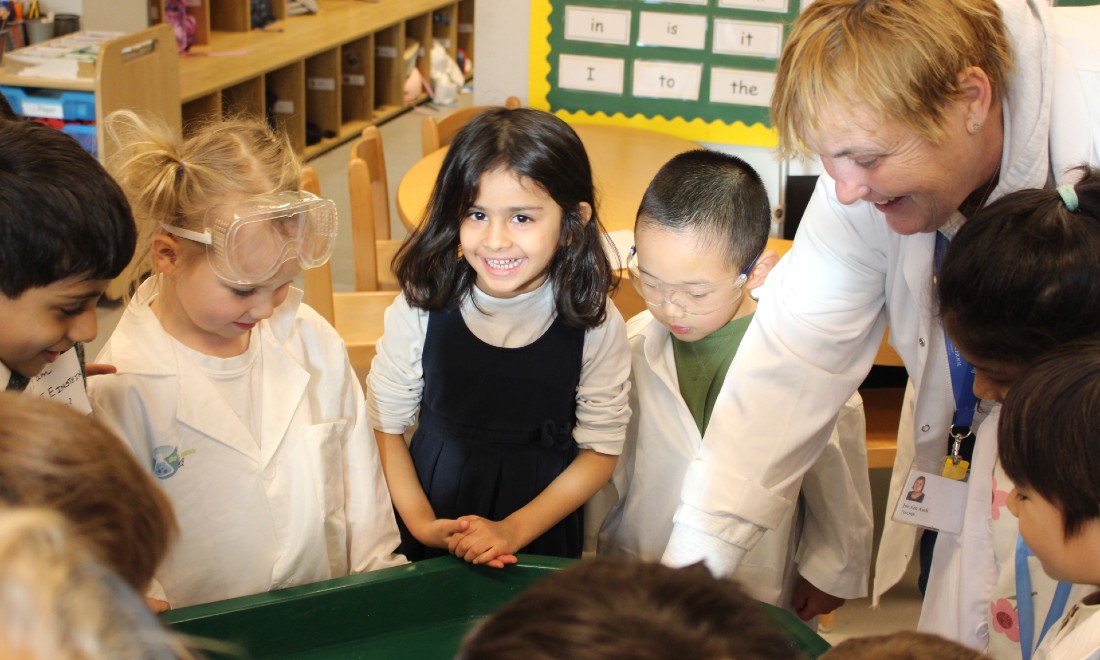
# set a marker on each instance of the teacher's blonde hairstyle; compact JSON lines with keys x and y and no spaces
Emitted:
{"x":52,"y":456}
{"x":898,"y":60}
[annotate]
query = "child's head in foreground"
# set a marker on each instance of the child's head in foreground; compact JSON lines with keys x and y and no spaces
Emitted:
{"x":65,"y":231}
{"x":1047,"y":440}
{"x":514,"y":205}
{"x":58,"y":601}
{"x":606,"y":610}
{"x":222,"y":220}
{"x":52,"y":456}
{"x":1021,"y":277}
{"x":699,"y":242}
{"x":901,"y":645}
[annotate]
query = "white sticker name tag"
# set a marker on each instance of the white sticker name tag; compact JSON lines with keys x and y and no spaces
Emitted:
{"x":62,"y":381}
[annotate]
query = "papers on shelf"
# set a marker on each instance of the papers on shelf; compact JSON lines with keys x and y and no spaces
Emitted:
{"x":71,"y":57}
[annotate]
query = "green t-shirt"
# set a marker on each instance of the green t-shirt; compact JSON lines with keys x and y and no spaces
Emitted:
{"x":701,"y":367}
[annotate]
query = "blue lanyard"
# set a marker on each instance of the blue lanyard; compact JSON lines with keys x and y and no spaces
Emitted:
{"x":962,"y":373}
{"x":1025,"y":607}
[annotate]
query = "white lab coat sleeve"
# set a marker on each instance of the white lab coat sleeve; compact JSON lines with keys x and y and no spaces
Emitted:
{"x":834,"y":552}
{"x":603,"y":407}
{"x":372,"y":530}
{"x":814,"y":337}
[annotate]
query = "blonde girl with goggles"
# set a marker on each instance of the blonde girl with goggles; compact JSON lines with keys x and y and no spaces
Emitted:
{"x":239,"y":399}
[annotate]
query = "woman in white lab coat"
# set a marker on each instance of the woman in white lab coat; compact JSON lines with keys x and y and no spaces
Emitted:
{"x":238,"y":398}
{"x":863,"y":256}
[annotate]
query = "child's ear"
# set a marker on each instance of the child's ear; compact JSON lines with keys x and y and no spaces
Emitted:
{"x":166,"y":252}
{"x":764,"y":264}
{"x":584,"y":212}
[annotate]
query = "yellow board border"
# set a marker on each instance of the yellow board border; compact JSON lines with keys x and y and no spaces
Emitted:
{"x":538,"y":81}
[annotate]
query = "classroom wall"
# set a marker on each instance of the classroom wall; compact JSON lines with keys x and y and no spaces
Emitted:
{"x":501,"y":51}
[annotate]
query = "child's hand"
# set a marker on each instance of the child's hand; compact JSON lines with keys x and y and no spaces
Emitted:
{"x":487,"y":542}
{"x":97,"y":369}
{"x":808,"y":601}
{"x":440,"y":532}
{"x":157,"y":605}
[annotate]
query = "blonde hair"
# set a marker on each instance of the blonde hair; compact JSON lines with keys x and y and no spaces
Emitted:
{"x":52,"y":456}
{"x":899,"y":60}
{"x":174,"y":181}
{"x":58,"y":601}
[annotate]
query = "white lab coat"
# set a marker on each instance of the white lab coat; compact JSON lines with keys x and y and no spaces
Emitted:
{"x":818,"y":326}
{"x":829,"y":537}
{"x":1069,"y":54}
{"x":309,"y":503}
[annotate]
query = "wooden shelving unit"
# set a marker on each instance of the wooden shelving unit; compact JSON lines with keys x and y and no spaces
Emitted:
{"x":338,"y":70}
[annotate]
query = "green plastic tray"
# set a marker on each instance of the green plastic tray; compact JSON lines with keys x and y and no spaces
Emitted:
{"x":421,"y":611}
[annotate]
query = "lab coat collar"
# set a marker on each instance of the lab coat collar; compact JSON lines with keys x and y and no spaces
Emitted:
{"x":147,"y":350}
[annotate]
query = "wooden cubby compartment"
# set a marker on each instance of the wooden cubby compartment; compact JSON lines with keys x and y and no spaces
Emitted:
{"x":285,"y":89}
{"x":246,"y":98}
{"x":389,"y":76}
{"x":200,"y":11}
{"x":323,"y":104}
{"x":203,"y":109}
{"x":420,"y":29}
{"x":465,"y":31}
{"x":357,"y":82}
{"x":445,"y":28}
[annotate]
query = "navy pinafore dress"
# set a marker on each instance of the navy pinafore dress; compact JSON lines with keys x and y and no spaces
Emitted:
{"x":495,"y":428}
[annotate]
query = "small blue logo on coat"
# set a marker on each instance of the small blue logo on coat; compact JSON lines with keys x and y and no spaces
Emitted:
{"x":166,"y":461}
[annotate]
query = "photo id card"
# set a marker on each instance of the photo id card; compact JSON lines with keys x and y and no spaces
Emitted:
{"x":930,"y":499}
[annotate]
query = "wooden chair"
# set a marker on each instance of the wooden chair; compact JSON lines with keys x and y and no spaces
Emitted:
{"x":436,"y":133}
{"x":356,"y":315}
{"x":370,"y":214}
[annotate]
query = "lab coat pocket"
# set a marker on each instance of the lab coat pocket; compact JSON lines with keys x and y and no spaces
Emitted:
{"x":326,"y":462}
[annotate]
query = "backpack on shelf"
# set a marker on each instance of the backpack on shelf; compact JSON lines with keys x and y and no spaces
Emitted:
{"x":261,"y":13}
{"x":183,"y":24}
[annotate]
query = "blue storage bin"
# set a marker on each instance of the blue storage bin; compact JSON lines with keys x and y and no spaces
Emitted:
{"x":51,"y":103}
{"x":82,"y":133}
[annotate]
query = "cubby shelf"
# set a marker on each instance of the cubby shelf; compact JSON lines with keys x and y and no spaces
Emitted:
{"x":336,"y":71}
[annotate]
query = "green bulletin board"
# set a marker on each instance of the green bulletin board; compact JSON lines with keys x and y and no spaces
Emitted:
{"x":701,"y":69}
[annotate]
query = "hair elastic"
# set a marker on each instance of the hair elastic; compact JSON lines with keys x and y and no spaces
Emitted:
{"x":179,"y":170}
{"x":1069,"y":196}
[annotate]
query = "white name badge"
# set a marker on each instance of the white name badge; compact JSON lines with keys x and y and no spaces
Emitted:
{"x":62,"y":381}
{"x":930,"y":499}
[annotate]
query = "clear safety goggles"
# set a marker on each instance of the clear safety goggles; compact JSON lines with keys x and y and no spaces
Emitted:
{"x":691,"y":299}
{"x":247,"y":242}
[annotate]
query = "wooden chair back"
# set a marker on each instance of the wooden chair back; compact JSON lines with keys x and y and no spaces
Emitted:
{"x":356,"y":315}
{"x":436,"y":133}
{"x":373,"y":255}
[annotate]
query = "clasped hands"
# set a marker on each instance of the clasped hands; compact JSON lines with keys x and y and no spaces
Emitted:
{"x":474,"y":539}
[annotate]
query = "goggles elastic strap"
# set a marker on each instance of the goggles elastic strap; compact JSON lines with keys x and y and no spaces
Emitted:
{"x":199,"y":237}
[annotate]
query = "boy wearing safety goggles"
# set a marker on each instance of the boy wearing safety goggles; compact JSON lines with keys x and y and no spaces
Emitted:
{"x":700,"y":244}
{"x":239,"y":399}
{"x":65,"y":231}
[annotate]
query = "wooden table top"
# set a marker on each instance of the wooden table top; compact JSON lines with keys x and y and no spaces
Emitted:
{"x":624,"y":160}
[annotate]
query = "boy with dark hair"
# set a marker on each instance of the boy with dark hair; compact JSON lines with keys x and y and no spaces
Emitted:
{"x":700,"y":243}
{"x":65,"y":231}
{"x":1047,"y":446}
{"x":603,"y":610}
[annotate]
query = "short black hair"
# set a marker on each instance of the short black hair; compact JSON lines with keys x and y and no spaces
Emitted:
{"x":1023,"y":275}
{"x":61,"y":214}
{"x":1047,"y":432}
{"x":719,"y":196}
